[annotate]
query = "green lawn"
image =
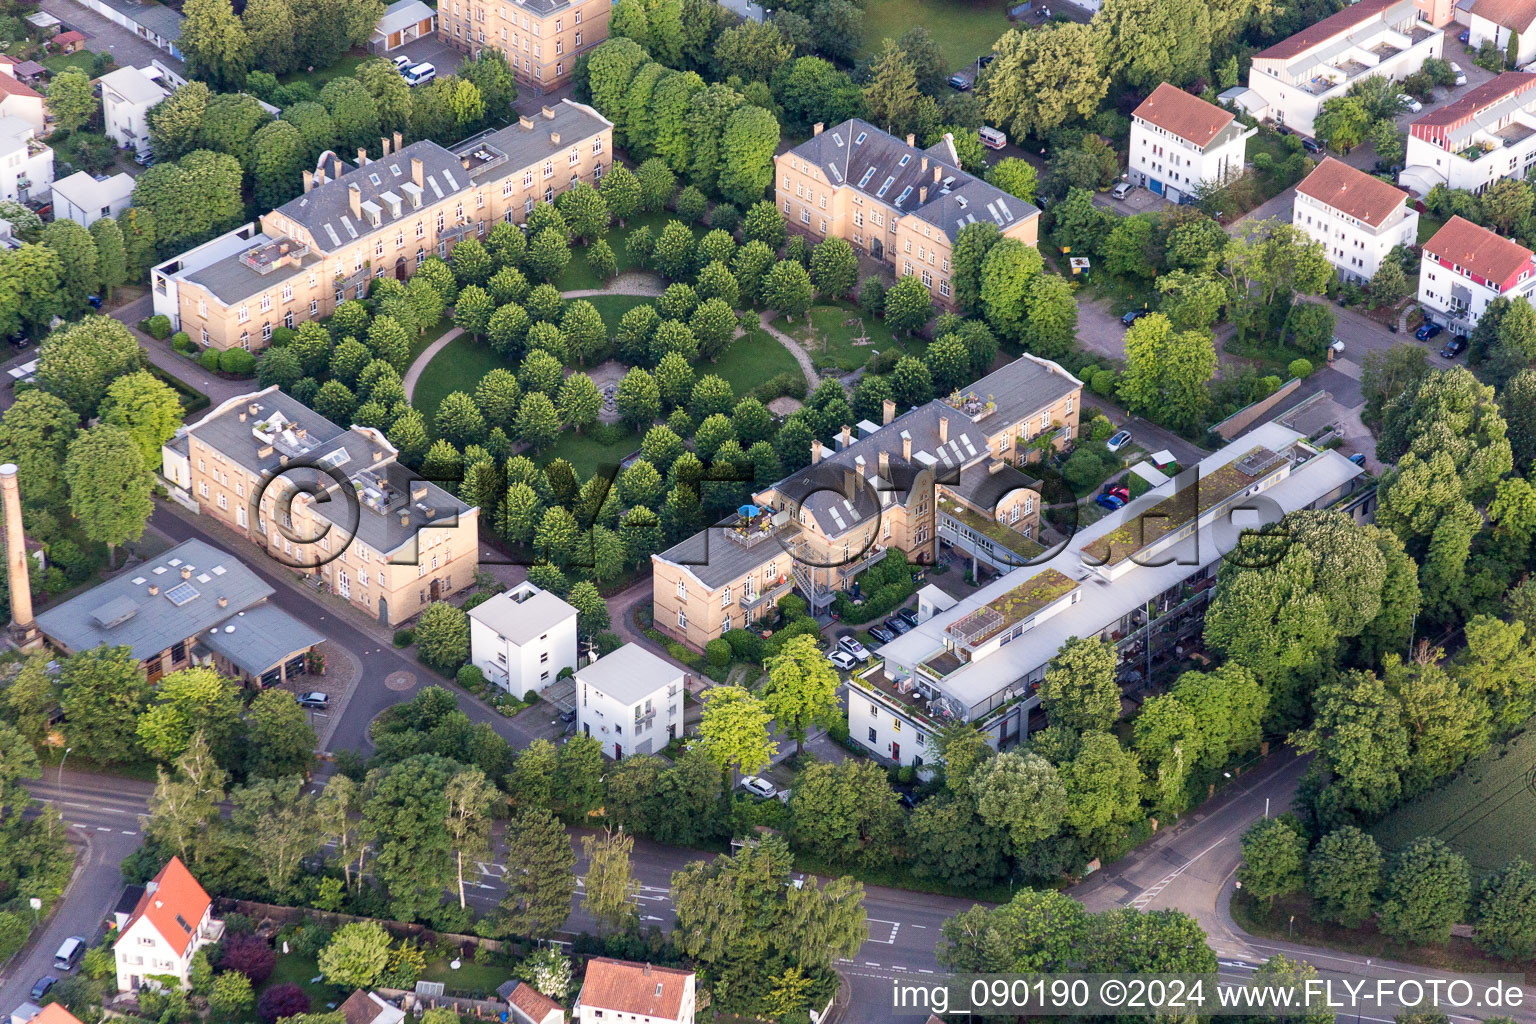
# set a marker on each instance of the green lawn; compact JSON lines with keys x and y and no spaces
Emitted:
{"x":829,"y":336}
{"x":1484,"y":812}
{"x":964,"y":29}
{"x":458,"y":367}
{"x":588,"y":454}
{"x":347,"y":65}
{"x":422,"y":342}
{"x":1428,"y":225}
{"x":613,"y":307}
{"x":752,"y":359}
{"x":85,"y":60}
{"x":577,"y":276}
{"x":477,"y":980}
{"x":301,"y":970}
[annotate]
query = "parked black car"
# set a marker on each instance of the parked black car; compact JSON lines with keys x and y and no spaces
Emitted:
{"x":1312,"y":145}
{"x":897,"y":626}
{"x":1133,"y":316}
{"x":1455,"y":347}
{"x":908,"y":615}
{"x":882,"y":634}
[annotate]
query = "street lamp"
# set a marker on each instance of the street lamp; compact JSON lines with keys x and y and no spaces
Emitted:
{"x":61,"y":765}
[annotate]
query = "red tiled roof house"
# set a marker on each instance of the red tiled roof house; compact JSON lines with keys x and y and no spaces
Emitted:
{"x":173,"y":920}
{"x":620,"y":990}
{"x":1464,"y":267}
{"x":1179,"y":141}
{"x":1358,"y":218}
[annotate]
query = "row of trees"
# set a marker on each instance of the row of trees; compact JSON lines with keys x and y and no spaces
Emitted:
{"x":1418,"y":899}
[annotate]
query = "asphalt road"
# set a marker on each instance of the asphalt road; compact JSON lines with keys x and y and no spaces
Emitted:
{"x":102,"y":813}
{"x":1189,"y":867}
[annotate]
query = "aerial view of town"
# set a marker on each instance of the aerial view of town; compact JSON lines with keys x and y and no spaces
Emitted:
{"x":699,"y":512}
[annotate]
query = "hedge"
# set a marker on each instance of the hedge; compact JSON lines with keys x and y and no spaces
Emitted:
{"x":718,"y":651}
{"x":158,"y":327}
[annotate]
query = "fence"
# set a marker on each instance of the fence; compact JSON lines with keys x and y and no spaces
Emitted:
{"x":480,"y":1009}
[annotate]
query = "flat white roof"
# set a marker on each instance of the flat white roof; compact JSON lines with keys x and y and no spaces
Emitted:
{"x":1104,"y":601}
{"x":630,"y":674}
{"x":522,"y":621}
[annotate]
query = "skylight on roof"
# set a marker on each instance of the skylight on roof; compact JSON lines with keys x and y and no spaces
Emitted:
{"x":180,"y":594}
{"x":394,"y":169}
{"x":860,"y":140}
{"x":884,"y":185}
{"x":138,"y":581}
{"x":159,"y":570}
{"x":838,"y":137}
{"x":219,"y":570}
{"x":904,"y":193}
{"x":375,"y":179}
{"x":339,"y":457}
{"x":867,"y":175}
{"x":904,"y":160}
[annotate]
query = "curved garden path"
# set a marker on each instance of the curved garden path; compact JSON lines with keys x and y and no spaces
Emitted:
{"x":628,"y":283}
{"x":413,"y":372}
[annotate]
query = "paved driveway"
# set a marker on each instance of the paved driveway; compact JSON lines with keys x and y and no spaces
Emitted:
{"x":432,"y":50}
{"x":1476,"y":76}
{"x":105,"y":36}
{"x":1099,"y":328}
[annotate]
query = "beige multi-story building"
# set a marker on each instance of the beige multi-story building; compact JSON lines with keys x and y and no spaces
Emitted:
{"x":541,"y":38}
{"x":947,"y":472}
{"x":384,"y":215}
{"x":327,"y":501}
{"x":902,"y":205}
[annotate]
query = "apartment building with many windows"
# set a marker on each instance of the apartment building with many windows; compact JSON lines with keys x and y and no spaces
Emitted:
{"x":902,"y":205}
{"x":1296,"y":76}
{"x":1464,"y":267}
{"x":541,"y":38}
{"x":1486,"y":135}
{"x":1179,"y":142}
{"x":1140,"y":577}
{"x":1356,"y":217}
{"x":330,"y":502}
{"x":952,"y":471}
{"x":380,"y":216}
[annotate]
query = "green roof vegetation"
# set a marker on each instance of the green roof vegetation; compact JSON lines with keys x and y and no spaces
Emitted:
{"x":998,"y":533}
{"x":1030,"y":596}
{"x":1174,"y":512}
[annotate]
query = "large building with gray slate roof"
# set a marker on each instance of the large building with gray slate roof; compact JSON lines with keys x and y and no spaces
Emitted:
{"x":541,"y":39}
{"x":902,"y":205}
{"x":945,"y":472}
{"x":193,"y":605}
{"x":377,"y":216}
{"x":330,"y":501}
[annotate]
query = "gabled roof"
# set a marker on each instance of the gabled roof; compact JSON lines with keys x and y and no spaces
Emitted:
{"x":530,"y":1005}
{"x":10,"y":87}
{"x":1189,"y":117}
{"x":54,"y":1013}
{"x":1322,"y":31}
{"x":1353,"y":192}
{"x":173,"y":904}
{"x":1512,"y":14}
{"x":368,"y":1008}
{"x":858,"y":155}
{"x":625,"y":987}
{"x":402,"y":14}
{"x":1486,"y":253}
{"x":1474,"y":100}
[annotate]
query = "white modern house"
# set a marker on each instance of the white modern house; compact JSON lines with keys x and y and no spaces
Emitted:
{"x":1179,"y":141}
{"x":18,"y":99}
{"x":1487,"y":134}
{"x":1139,"y":578}
{"x":1296,"y":76}
{"x":127,"y":94}
{"x":173,"y":920}
{"x":1496,"y":20}
{"x":1464,"y":267}
{"x":631,"y":701}
{"x":1357,"y":218}
{"x":85,"y":198}
{"x":402,"y":22}
{"x":26,"y":162}
{"x":622,"y":990}
{"x":521,"y":639}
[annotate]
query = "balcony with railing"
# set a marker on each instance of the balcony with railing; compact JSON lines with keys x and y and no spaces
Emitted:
{"x":904,"y":697}
{"x":755,"y":598}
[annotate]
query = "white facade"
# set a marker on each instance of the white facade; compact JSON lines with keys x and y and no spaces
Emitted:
{"x":1482,"y":29}
{"x":1356,"y":234}
{"x":1488,"y":134}
{"x":173,"y":920}
{"x":1464,"y":267}
{"x":26,"y":163}
{"x":981,"y":660}
{"x":522,"y":639}
{"x":618,"y":990}
{"x":127,"y":95}
{"x":1296,"y":76}
{"x":631,"y":701}
{"x":85,"y":200}
{"x":1174,"y":148}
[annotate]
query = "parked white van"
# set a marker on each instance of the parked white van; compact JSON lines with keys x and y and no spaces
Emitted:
{"x":68,"y":954}
{"x":420,"y":74}
{"x":992,"y":138}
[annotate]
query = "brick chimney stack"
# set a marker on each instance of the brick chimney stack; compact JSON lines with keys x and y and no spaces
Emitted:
{"x":887,"y":411}
{"x":23,"y":631}
{"x":815,"y":450}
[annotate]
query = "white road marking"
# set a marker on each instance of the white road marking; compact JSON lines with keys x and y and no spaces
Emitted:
{"x":1140,"y":902}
